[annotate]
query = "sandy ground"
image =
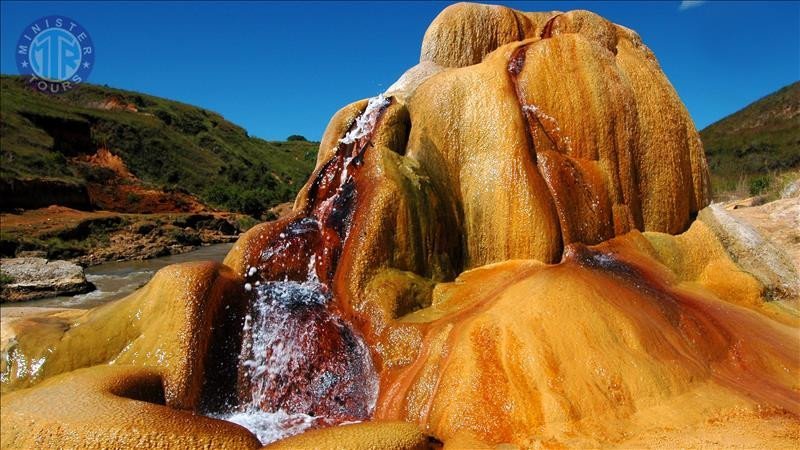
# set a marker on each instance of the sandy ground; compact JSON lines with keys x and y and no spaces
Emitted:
{"x":15,"y":312}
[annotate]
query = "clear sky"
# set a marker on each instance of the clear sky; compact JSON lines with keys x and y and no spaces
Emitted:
{"x":281,"y":68}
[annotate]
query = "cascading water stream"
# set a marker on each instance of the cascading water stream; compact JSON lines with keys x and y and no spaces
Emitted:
{"x":301,"y":364}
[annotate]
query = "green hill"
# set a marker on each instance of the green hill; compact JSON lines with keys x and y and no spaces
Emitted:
{"x":752,"y":149}
{"x":164,"y":145}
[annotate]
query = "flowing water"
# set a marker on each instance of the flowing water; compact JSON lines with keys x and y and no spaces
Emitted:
{"x":115,"y":280}
{"x":301,"y":364}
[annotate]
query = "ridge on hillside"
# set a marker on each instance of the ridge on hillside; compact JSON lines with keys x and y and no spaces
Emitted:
{"x":748,"y":149}
{"x":103,"y":148}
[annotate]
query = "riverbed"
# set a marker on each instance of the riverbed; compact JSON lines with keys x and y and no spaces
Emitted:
{"x":115,"y":280}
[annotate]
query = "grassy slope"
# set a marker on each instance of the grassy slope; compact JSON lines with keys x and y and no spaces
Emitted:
{"x":166,"y":144}
{"x":752,"y":148}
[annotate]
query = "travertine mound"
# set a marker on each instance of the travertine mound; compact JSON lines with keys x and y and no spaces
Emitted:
{"x":586,"y":352}
{"x":110,"y":407}
{"x":383,"y":435}
{"x":582,"y":137}
{"x":176,"y":324}
{"x":511,"y":233}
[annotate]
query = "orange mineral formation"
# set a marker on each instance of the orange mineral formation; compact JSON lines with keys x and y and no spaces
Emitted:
{"x":509,"y":246}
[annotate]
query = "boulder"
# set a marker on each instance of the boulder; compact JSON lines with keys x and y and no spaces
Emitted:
{"x":33,"y":278}
{"x":791,"y":189}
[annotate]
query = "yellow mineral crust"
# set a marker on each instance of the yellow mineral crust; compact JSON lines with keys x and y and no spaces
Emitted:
{"x":166,"y":325}
{"x":592,"y":351}
{"x":378,"y":435}
{"x":109,"y":407}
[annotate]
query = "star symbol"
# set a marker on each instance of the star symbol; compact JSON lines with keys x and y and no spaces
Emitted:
{"x":24,"y":64}
{"x":86,"y":64}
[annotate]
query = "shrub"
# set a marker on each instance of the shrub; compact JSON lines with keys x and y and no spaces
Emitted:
{"x":165,"y":116}
{"x":5,"y":279}
{"x":296,"y":137}
{"x":759,"y":184}
{"x":134,"y":198}
{"x":252,"y":203}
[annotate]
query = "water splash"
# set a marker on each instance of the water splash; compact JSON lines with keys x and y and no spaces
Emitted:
{"x":301,"y":364}
{"x":365,"y":123}
{"x":273,"y":426}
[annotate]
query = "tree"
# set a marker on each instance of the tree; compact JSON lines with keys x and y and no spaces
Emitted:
{"x":297,"y":137}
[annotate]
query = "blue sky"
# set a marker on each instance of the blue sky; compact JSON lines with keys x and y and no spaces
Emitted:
{"x":281,"y":68}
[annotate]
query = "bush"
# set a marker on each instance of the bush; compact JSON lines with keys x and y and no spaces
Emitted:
{"x":252,"y":203}
{"x":759,"y":184}
{"x":133,"y":198}
{"x":296,"y":137}
{"x":5,"y":279}
{"x":165,"y":116}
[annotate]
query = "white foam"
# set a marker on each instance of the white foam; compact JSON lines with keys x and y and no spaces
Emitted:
{"x":366,"y":121}
{"x":272,"y":426}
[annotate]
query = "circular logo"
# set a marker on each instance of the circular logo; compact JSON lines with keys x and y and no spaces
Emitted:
{"x":56,"y":53}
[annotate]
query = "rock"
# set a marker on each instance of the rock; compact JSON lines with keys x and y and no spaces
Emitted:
{"x":463,"y":33}
{"x":607,"y":340}
{"x":755,"y":254}
{"x":143,"y":227}
{"x":745,"y":202}
{"x":525,"y":165}
{"x":791,"y":190}
{"x":32,"y":254}
{"x":171,"y":320}
{"x":32,"y":278}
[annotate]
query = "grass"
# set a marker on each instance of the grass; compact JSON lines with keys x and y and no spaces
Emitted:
{"x":768,"y":186}
{"x":752,"y":150}
{"x":166,"y":144}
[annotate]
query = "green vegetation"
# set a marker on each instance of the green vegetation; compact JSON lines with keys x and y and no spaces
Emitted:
{"x":164,"y":143}
{"x":297,"y":137}
{"x":756,"y":150}
{"x":5,"y":279}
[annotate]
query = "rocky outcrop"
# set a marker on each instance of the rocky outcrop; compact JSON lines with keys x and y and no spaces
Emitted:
{"x":582,"y":138}
{"x":39,"y":193}
{"x":757,"y":254}
{"x":32,"y":278}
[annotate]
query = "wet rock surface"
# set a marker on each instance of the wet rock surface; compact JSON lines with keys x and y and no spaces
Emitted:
{"x":33,"y":278}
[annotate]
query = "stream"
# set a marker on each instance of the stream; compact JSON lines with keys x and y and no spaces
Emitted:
{"x":115,"y":280}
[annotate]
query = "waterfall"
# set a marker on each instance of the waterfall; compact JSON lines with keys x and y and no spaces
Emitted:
{"x":301,"y":363}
